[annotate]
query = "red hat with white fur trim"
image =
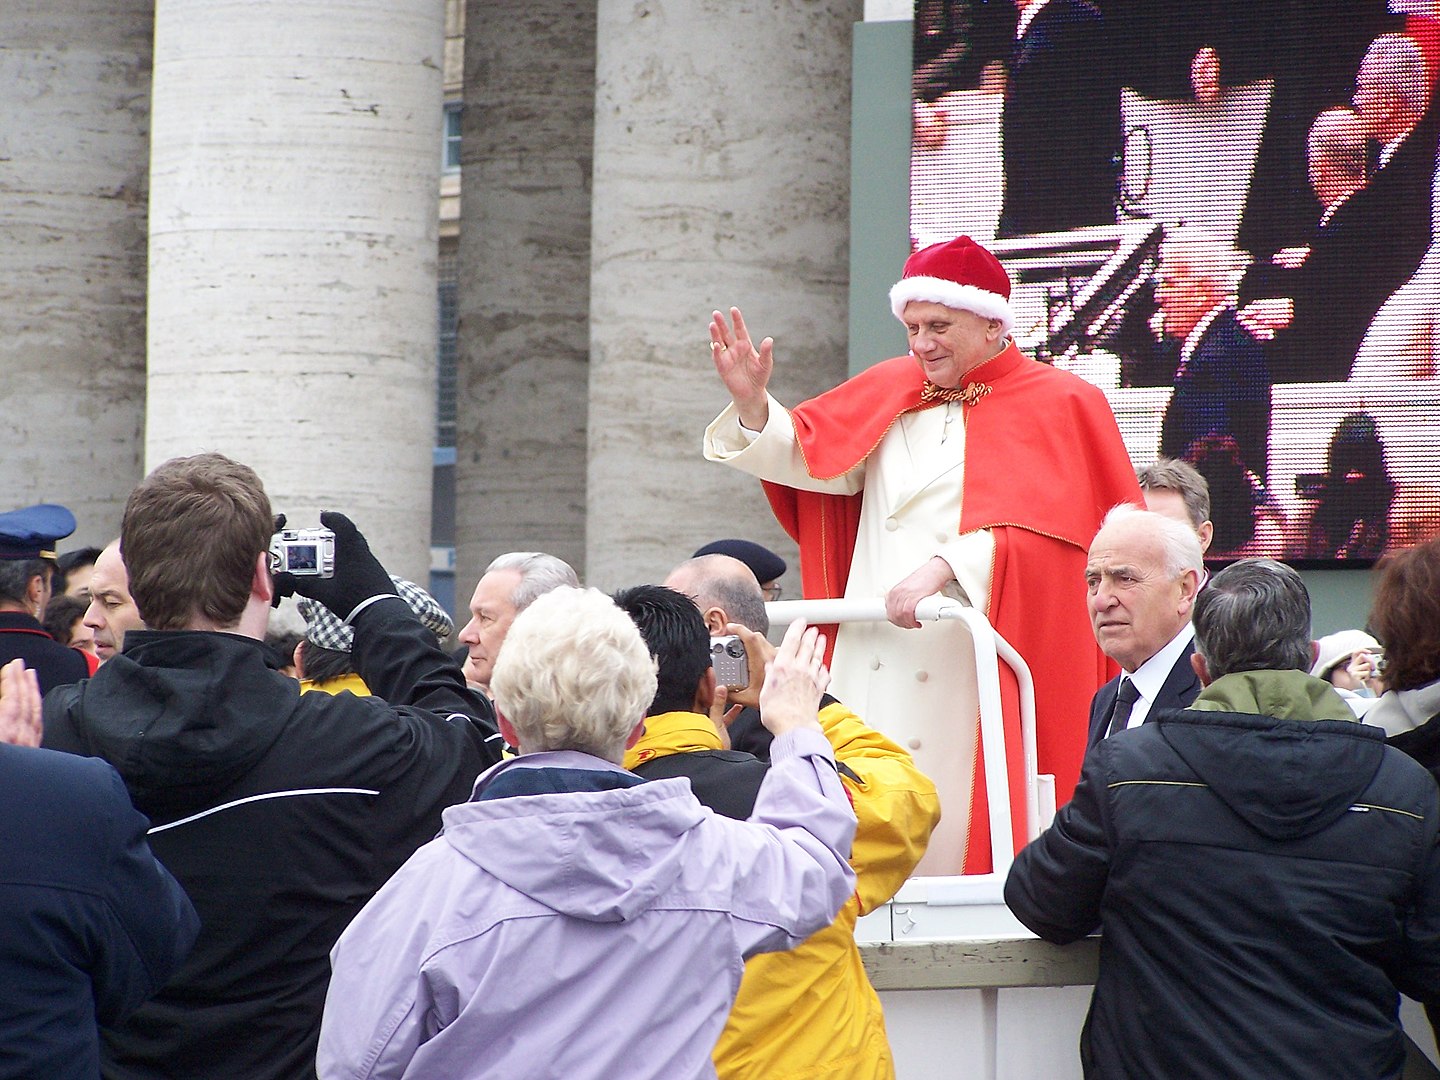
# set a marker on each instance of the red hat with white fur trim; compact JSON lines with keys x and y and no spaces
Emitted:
{"x":959,"y":274}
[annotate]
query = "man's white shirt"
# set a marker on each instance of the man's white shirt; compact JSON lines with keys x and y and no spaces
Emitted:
{"x":1149,"y":678}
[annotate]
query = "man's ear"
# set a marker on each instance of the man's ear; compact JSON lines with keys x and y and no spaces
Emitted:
{"x":262,"y":585}
{"x":715,"y":620}
{"x":1206,"y":532}
{"x":1189,"y":589}
{"x":1314,"y":652}
{"x":1201,"y":669}
{"x":507,"y":731}
{"x":35,"y":591}
{"x":705,"y":692}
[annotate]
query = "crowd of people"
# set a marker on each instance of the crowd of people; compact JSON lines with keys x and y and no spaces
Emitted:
{"x":572,"y":851}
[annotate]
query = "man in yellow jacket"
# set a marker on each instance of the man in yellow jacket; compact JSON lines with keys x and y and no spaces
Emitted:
{"x":811,"y":1012}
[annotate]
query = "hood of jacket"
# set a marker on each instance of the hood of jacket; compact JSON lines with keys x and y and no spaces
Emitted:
{"x":182,"y":713}
{"x":1279,"y":748}
{"x":1399,"y":711}
{"x":602,"y":856}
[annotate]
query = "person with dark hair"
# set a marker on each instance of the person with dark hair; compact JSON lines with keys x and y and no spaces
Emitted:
{"x":72,"y":572}
{"x":1263,"y":868}
{"x":812,"y":1012}
{"x":65,"y":621}
{"x":281,"y":644}
{"x":723,"y":588}
{"x":1351,"y":516}
{"x":279,"y":812}
{"x":112,"y":611}
{"x":27,"y":564}
{"x":680,"y":739}
{"x":1176,"y":489}
{"x":1405,"y":615}
{"x":322,"y":656}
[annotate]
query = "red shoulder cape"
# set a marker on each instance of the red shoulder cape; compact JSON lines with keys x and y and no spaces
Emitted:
{"x":1044,"y":461}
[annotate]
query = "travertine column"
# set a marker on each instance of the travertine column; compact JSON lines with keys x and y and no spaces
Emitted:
{"x":72,"y":254}
{"x":524,"y":282}
{"x":294,"y":180}
{"x":722,"y":176}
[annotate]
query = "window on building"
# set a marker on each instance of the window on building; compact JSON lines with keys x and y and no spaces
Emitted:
{"x":450,"y":151}
{"x":449,"y":314}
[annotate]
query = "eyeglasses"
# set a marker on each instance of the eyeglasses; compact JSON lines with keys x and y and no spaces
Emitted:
{"x":772,"y":592}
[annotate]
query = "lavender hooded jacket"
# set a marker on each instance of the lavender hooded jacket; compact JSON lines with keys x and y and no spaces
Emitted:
{"x":584,"y":934}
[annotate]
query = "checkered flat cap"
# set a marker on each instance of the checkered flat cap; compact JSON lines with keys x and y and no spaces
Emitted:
{"x":327,"y":630}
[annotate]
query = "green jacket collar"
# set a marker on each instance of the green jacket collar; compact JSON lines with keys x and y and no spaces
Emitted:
{"x":1284,"y":695}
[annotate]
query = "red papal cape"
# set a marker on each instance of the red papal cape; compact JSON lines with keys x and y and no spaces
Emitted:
{"x":1044,"y":461}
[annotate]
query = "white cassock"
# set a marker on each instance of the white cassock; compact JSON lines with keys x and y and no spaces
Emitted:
{"x":917,"y":686}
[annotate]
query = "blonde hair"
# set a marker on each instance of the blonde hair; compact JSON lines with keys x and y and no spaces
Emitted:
{"x":574,"y":674}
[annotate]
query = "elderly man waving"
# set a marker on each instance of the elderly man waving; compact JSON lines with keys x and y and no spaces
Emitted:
{"x":963,"y":468}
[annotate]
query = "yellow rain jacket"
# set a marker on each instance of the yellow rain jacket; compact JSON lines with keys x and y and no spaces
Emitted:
{"x":811,"y":1013}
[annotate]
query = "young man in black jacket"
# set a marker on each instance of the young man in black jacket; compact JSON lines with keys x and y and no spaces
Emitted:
{"x":1263,"y":869}
{"x":279,"y":812}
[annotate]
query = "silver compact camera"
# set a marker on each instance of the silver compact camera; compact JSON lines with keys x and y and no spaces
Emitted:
{"x":303,"y":552}
{"x":732,"y":666}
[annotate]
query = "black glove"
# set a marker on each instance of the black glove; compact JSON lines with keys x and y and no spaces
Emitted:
{"x":358,"y":574}
{"x":284,"y":583}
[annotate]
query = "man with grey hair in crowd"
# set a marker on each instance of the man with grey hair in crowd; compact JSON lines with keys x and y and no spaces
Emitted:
{"x":510,"y":584}
{"x":1142,"y":577}
{"x":1222,"y":383}
{"x":1264,"y":870}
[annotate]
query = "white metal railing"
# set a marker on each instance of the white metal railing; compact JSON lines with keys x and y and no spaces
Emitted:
{"x":990,"y":649}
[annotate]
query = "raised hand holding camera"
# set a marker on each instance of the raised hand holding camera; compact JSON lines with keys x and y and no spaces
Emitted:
{"x":356,"y":577}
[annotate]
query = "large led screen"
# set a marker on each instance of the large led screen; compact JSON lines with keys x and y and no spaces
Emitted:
{"x":1220,"y":212}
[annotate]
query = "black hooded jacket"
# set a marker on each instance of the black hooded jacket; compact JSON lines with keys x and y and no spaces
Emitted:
{"x":1263,"y":887}
{"x":279,"y":812}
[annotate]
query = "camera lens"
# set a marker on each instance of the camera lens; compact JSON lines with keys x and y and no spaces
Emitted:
{"x":735,"y":648}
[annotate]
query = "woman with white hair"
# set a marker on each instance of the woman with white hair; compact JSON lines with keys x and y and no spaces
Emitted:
{"x":573,"y":920}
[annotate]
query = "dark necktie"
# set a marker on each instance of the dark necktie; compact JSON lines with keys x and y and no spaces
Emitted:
{"x":1124,"y":702}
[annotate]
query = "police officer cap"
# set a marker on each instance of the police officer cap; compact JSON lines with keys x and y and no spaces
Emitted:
{"x":31,"y":533}
{"x":763,"y":563}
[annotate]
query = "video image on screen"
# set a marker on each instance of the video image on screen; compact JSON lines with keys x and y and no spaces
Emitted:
{"x":1221,"y":213}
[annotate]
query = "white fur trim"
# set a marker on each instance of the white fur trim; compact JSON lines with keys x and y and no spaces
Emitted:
{"x":952,"y":294}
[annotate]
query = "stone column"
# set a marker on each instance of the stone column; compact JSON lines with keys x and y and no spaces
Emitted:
{"x":72,"y":260}
{"x":294,"y":179}
{"x":524,"y":282}
{"x":722,"y":176}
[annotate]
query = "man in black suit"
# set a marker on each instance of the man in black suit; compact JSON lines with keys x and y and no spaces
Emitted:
{"x":1373,"y":233}
{"x":1222,"y":384}
{"x":1060,"y":128}
{"x":1143,"y":574}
